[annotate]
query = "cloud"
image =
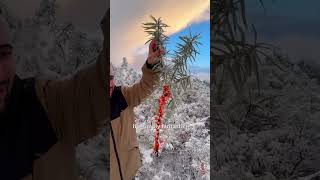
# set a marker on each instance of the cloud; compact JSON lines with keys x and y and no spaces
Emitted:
{"x":200,"y":72}
{"x":127,"y":36}
{"x":205,"y":16}
{"x":203,"y":76}
{"x":199,"y":69}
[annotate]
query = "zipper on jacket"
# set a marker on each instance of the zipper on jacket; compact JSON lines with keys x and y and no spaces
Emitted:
{"x":115,"y":150}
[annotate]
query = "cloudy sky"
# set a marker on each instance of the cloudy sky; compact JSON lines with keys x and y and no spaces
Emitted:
{"x":128,"y":38}
{"x":292,"y":25}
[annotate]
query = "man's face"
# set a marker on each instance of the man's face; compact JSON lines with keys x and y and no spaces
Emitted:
{"x":7,"y":73}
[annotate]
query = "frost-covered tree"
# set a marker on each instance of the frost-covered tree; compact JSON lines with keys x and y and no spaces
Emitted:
{"x":185,"y":131}
{"x":46,"y":48}
{"x":264,"y":114}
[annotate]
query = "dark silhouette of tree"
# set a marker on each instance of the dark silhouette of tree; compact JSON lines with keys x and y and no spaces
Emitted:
{"x":231,"y":51}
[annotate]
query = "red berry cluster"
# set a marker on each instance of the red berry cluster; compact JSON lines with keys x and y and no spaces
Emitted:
{"x":163,"y":100}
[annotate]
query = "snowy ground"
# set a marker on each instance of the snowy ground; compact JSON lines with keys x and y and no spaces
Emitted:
{"x":186,"y":140}
{"x":273,"y":133}
{"x":92,"y":158}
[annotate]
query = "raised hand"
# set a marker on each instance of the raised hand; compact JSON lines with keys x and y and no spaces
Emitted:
{"x":155,"y":53}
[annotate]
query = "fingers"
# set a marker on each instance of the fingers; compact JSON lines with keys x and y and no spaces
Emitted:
{"x":154,"y":50}
{"x":153,"y":45}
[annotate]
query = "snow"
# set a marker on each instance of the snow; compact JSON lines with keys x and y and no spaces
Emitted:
{"x":92,"y":158}
{"x":185,"y":131}
{"x":272,"y":133}
{"x":147,"y":158}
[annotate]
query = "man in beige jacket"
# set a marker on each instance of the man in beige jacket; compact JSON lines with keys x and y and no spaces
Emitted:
{"x":124,"y":152}
{"x":42,"y":121}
